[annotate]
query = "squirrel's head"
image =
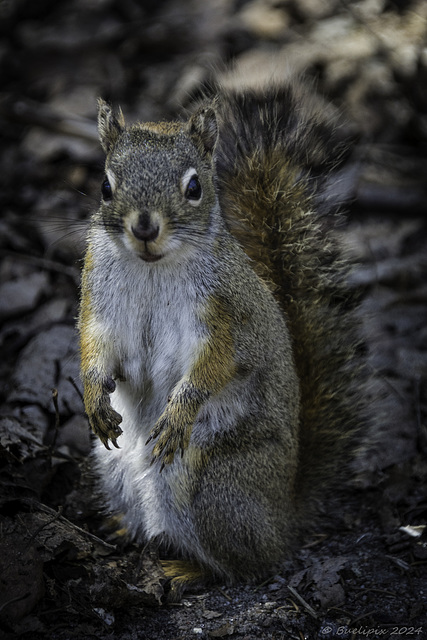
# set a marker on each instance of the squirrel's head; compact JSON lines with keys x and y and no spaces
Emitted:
{"x":158,"y":195}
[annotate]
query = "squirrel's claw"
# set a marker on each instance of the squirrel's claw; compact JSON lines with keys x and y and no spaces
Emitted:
{"x":105,"y":424}
{"x":171,"y":435}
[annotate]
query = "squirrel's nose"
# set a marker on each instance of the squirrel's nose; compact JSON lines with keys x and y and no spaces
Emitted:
{"x":145,"y":230}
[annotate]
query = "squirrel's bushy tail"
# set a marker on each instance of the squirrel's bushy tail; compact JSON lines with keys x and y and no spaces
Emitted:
{"x":275,"y":149}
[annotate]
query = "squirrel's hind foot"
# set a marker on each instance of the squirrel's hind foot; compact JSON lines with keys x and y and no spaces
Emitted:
{"x":114,"y":531}
{"x":182,"y":575}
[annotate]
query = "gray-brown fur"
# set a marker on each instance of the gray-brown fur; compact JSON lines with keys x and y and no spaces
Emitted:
{"x":280,"y":146}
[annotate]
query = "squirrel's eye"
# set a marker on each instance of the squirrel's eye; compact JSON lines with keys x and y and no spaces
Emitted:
{"x":193,"y":190}
{"x":106,"y":190}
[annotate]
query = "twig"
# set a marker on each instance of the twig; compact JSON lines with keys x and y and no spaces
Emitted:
{"x":305,"y":604}
{"x":76,"y":388}
{"x":42,"y":507}
{"x":363,"y":615}
{"x":57,"y":417}
{"x":222,"y":592}
{"x":55,"y":517}
{"x":12,"y":600}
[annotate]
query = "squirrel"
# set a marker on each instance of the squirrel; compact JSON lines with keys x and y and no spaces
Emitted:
{"x":219,"y":347}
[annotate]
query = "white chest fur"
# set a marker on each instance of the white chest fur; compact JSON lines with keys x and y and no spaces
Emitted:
{"x":152,"y":327}
{"x":151,"y":324}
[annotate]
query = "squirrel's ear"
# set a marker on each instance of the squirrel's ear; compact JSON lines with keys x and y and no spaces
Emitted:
{"x":203,"y":129}
{"x":109,"y":125}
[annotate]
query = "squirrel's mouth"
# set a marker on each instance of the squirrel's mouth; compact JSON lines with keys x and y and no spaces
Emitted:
{"x":150,"y":257}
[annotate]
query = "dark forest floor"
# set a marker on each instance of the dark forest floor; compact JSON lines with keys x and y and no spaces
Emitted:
{"x":363,"y":573}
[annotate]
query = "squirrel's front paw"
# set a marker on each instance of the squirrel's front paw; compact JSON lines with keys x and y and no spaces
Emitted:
{"x":172,"y":432}
{"x":103,"y":419}
{"x":105,"y":424}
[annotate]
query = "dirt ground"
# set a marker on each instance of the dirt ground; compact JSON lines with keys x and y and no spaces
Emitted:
{"x":362,"y":573}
